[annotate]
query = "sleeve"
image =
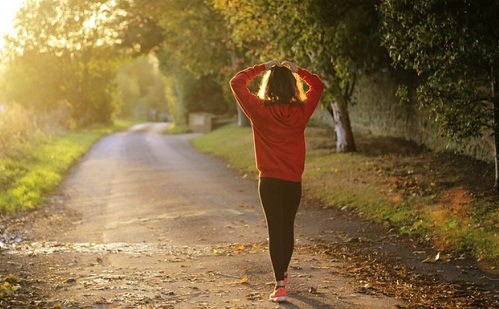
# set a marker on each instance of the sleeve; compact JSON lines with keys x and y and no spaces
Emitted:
{"x":314,"y":93}
{"x":239,"y":85}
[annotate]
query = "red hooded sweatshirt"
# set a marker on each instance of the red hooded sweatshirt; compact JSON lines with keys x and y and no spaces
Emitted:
{"x":278,"y":130}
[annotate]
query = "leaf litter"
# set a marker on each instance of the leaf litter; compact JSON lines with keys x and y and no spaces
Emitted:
{"x":376,"y":273}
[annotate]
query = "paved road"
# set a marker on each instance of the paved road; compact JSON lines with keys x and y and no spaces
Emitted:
{"x":144,"y":219}
{"x":143,"y":186}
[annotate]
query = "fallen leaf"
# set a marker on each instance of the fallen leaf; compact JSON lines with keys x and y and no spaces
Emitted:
{"x":244,"y":280}
{"x":453,"y":223}
{"x":71,"y":281}
{"x":432,"y":259}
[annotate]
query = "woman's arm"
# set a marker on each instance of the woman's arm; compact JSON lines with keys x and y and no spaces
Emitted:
{"x":239,"y":85}
{"x":316,"y":86}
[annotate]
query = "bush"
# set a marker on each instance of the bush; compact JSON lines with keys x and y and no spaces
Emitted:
{"x":18,"y":126}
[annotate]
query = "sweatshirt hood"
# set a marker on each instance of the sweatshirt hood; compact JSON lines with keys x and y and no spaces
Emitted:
{"x":284,"y":112}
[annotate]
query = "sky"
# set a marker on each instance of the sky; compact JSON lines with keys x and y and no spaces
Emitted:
{"x":8,"y":9}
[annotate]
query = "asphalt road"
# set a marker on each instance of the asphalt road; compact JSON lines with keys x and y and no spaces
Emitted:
{"x":145,"y":220}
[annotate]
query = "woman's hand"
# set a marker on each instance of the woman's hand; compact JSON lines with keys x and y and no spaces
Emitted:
{"x":290,"y":65}
{"x":271,"y":63}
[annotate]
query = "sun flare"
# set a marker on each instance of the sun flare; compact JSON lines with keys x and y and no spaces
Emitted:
{"x":8,"y":11}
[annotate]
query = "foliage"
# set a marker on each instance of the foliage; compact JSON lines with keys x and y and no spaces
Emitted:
{"x":188,"y":93}
{"x":190,"y":49}
{"x":334,"y":38}
{"x":17,"y":128}
{"x":252,"y":27}
{"x":454,"y":47}
{"x":140,"y":32}
{"x":142,"y":88}
{"x":62,"y":57}
{"x":206,"y":95}
{"x":195,"y":36}
{"x":8,"y":286}
{"x":177,"y":81}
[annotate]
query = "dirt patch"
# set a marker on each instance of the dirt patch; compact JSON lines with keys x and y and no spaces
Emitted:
{"x":442,"y":170}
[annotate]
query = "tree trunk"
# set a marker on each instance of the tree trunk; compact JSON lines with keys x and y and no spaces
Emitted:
{"x":496,"y":140}
{"x":345,"y":141}
{"x":495,"y":101}
{"x":242,"y":120}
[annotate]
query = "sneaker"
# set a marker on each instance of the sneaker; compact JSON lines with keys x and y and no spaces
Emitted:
{"x":279,"y":294}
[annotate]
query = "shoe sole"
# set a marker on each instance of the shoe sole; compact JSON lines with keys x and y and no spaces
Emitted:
{"x":280,"y":299}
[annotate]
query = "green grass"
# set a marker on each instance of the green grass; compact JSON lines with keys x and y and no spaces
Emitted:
{"x":177,"y":129}
{"x":41,"y":165}
{"x":366,"y":185}
{"x":232,"y":143}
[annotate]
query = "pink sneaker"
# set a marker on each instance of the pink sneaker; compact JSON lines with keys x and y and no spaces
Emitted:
{"x":279,"y":294}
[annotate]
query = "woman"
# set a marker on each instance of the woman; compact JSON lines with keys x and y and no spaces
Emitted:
{"x":279,"y":116}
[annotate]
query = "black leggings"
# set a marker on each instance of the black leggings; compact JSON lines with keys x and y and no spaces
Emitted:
{"x":280,"y":200}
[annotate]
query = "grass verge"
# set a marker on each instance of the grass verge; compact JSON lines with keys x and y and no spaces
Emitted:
{"x":177,"y":129}
{"x":40,"y":166}
{"x":442,"y":199}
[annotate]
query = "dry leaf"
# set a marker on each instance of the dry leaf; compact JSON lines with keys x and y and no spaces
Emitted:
{"x":433,"y":259}
{"x":244,"y":280}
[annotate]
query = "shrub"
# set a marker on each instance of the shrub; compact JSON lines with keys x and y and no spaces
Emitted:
{"x":17,"y":127}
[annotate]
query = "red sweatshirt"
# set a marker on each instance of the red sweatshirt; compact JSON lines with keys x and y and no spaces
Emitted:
{"x":278,"y":130}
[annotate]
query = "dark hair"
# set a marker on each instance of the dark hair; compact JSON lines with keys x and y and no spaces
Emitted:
{"x":281,"y":86}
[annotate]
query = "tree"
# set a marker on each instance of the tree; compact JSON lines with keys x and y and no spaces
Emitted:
{"x":337,"y":39}
{"x":177,"y":84}
{"x":140,"y":32}
{"x":31,"y":81}
{"x":454,"y":48}
{"x":67,"y":47}
{"x":142,"y":87}
{"x":191,"y":50}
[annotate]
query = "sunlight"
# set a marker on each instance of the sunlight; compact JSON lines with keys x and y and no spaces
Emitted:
{"x":7,"y":13}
